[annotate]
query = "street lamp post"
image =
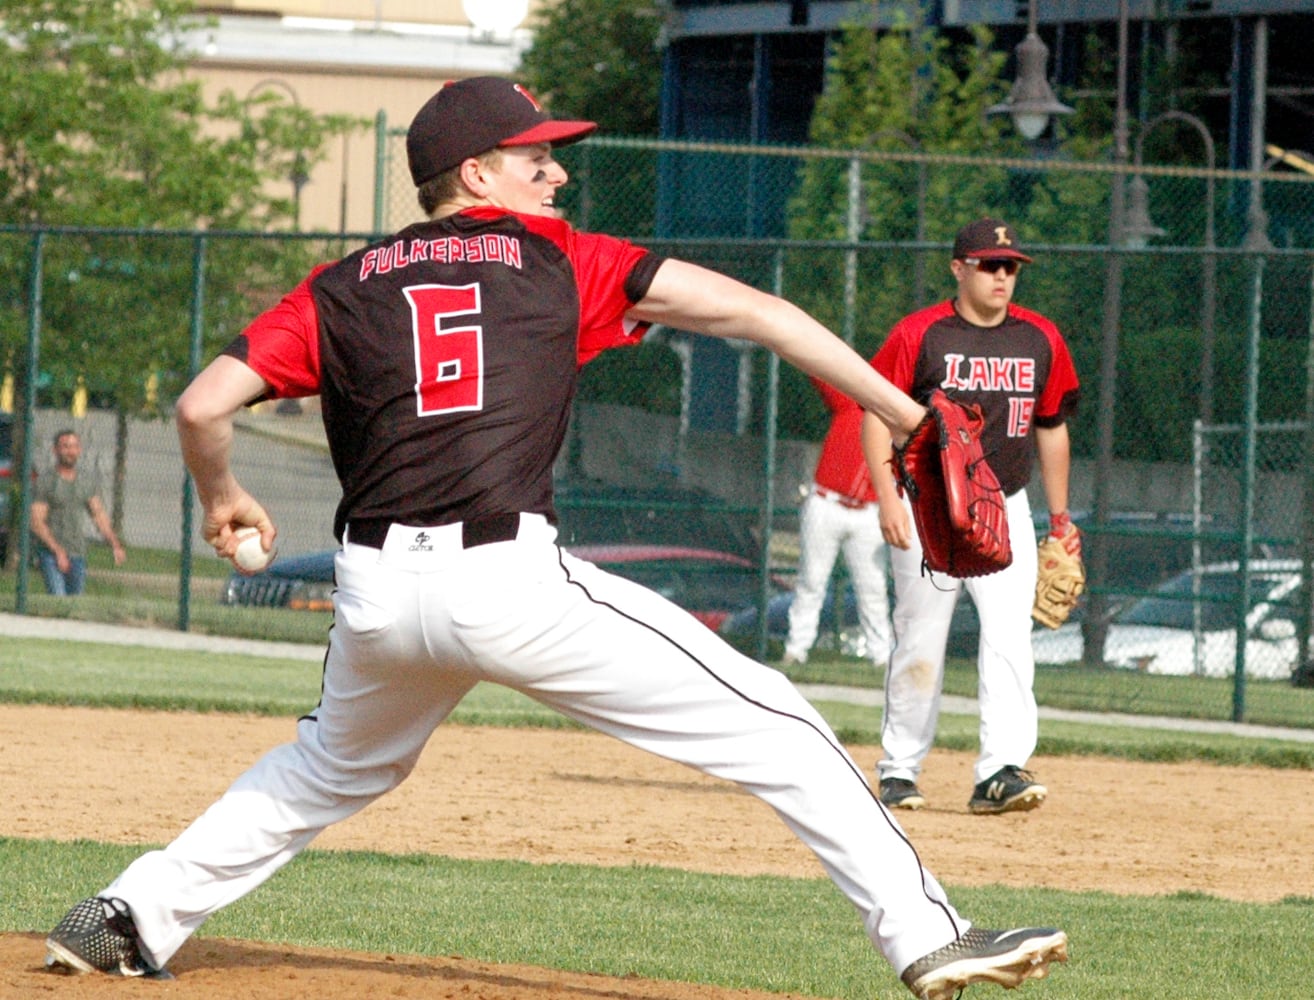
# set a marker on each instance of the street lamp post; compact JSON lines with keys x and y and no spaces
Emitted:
{"x":1031,"y":103}
{"x":1095,"y":626}
{"x":1139,"y":222}
{"x":298,"y":175}
{"x":1303,"y":675}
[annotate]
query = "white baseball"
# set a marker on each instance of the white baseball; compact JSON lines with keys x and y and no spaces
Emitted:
{"x":250,"y":554}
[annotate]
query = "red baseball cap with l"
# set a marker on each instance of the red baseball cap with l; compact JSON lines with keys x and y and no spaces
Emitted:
{"x":988,"y":239}
{"x":469,"y":117}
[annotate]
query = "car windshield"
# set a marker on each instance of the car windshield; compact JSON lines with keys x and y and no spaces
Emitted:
{"x":1172,"y":607}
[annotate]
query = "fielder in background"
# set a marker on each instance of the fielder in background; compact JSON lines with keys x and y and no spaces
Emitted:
{"x":446,"y":358}
{"x":62,"y":496}
{"x":982,"y":348}
{"x":840,"y":511}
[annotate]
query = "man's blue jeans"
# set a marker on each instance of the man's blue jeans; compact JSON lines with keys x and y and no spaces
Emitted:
{"x":63,"y":584}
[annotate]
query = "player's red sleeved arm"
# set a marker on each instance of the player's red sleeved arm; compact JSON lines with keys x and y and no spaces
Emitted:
{"x":612,"y":275}
{"x":1061,"y":392}
{"x":897,"y":357}
{"x":281,"y":345}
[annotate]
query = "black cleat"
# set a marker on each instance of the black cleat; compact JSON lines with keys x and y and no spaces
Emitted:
{"x":900,"y":793}
{"x":1010,"y":789}
{"x":98,"y":935}
{"x":1004,"y":957}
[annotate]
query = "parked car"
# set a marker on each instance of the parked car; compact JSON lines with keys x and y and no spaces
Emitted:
{"x":709,"y":584}
{"x":841,"y":632}
{"x":591,"y":512}
{"x":1176,"y":632}
{"x":1144,"y":549}
{"x":303,"y":583}
{"x":6,"y":481}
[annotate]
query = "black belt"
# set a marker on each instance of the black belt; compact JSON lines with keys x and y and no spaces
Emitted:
{"x":477,"y":531}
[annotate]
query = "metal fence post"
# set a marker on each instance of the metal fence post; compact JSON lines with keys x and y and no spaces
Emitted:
{"x":35,"y":278}
{"x":1248,"y":486}
{"x":1303,"y":676}
{"x":380,"y":171}
{"x":193,"y":367}
{"x":852,"y":230}
{"x":769,"y":433}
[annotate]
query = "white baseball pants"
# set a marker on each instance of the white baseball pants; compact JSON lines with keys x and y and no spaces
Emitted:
{"x":415,"y":630}
{"x":825,"y":527}
{"x":923,"y":607}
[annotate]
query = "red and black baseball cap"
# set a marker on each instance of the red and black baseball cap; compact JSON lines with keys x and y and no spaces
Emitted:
{"x":988,"y":239}
{"x":469,"y":117}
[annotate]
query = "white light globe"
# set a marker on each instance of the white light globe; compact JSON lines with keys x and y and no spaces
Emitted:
{"x":495,"y":17}
{"x":1029,"y":124}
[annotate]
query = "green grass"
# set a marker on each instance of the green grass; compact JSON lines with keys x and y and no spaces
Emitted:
{"x":148,"y":596}
{"x":56,"y":671}
{"x":122,"y":599}
{"x":766,"y":933}
{"x":63,"y":672}
{"x":1267,"y":703}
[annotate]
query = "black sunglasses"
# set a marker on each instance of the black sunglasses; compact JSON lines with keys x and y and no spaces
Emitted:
{"x":994,"y":266}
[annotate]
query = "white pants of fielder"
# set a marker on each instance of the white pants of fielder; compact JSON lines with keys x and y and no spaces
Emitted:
{"x":825,"y":527}
{"x":1006,"y":667}
{"x":414,"y":631}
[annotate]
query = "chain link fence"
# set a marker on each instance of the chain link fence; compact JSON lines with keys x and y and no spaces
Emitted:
{"x":704,"y":444}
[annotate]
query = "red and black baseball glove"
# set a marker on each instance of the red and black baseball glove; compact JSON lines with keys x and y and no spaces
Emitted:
{"x":957,"y":501}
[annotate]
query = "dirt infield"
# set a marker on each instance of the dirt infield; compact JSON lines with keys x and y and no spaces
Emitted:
{"x":548,"y":796}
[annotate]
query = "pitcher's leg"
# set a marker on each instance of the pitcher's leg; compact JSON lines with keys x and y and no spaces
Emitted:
{"x":382,"y":698}
{"x":625,"y":661}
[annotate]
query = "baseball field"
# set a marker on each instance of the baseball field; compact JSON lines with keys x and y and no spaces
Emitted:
{"x":537,"y":862}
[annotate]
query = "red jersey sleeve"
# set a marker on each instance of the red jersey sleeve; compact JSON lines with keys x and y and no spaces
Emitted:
{"x":281,"y":345}
{"x":896,"y":359}
{"x":612,"y":276}
{"x":1061,"y":391}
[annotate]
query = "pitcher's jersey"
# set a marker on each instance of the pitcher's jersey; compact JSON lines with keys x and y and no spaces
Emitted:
{"x":446,"y":358}
{"x":1020,"y":373}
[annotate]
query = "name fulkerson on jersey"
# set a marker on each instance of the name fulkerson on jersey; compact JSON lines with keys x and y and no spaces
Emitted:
{"x":484,"y":248}
{"x":989,"y":374}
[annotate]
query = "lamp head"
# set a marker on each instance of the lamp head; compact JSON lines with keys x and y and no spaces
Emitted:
{"x":1031,"y":103}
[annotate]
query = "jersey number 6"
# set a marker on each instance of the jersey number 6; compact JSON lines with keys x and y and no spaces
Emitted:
{"x":449,"y":362}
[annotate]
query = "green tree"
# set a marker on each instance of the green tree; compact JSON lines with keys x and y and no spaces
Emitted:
{"x":907,"y":90}
{"x":598,"y":60}
{"x":100,"y":127}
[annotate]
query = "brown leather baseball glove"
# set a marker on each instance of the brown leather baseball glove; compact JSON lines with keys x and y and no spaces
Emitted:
{"x":1060,"y":581}
{"x":957,"y":503}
